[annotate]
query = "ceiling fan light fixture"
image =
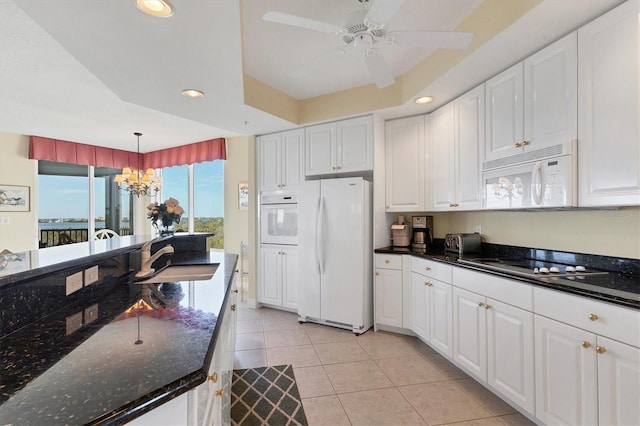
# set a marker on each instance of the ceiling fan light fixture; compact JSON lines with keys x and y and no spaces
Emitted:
{"x":423,"y":100}
{"x":155,"y":8}
{"x":192,"y":93}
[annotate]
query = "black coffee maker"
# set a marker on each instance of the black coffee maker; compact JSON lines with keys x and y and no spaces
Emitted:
{"x":421,"y":238}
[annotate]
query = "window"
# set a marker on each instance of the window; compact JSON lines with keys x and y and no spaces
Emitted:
{"x":63,"y":203}
{"x":207,"y":195}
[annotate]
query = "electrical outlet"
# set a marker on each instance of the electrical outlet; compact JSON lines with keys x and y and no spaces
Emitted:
{"x":478,"y":229}
{"x":74,"y":322}
{"x":91,"y":275}
{"x":74,"y":282}
{"x":4,"y":220}
{"x":91,"y":314}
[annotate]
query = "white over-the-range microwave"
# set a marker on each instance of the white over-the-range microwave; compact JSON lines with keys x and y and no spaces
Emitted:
{"x":533,"y":179}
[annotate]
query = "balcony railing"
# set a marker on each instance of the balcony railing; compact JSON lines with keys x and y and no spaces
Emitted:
{"x":57,"y":237}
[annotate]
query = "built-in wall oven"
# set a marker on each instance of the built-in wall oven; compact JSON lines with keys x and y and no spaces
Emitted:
{"x":279,"y":217}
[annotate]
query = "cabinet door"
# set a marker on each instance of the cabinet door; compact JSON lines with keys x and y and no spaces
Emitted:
{"x":565,"y":374}
{"x":442,"y":165}
{"x":550,"y":94}
{"x":289,"y":258}
{"x":405,"y":165}
{"x":504,"y":109}
{"x":469,"y":332}
{"x":270,"y":290}
{"x":419,"y":305}
{"x":388,"y":297}
{"x":292,"y":160}
{"x":354,"y":145}
{"x":510,"y":353}
{"x":269,"y":162}
{"x":609,"y":123}
{"x":469,"y":149}
{"x":618,"y":383}
{"x":320,"y":145}
{"x":441,"y":317}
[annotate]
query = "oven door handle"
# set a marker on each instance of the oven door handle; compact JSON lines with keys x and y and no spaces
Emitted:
{"x":536,"y":183}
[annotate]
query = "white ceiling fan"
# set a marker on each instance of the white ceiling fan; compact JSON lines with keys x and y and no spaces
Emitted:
{"x":365,"y":31}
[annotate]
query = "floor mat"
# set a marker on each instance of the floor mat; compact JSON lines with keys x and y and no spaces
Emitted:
{"x":266,"y":396}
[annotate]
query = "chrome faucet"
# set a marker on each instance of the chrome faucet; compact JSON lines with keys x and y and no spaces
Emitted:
{"x":146,"y":259}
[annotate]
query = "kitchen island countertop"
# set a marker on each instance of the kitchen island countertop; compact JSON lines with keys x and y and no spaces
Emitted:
{"x":113,"y":356}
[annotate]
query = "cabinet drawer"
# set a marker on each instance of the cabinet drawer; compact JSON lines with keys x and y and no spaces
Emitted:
{"x":389,"y":261}
{"x":431,"y":269}
{"x":513,"y":292}
{"x":602,"y":318}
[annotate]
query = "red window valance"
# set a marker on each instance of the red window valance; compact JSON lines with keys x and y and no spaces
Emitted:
{"x":77,"y":153}
{"x":213,"y":149}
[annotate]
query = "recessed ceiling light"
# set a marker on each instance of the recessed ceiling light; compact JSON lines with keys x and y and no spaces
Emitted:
{"x":192,"y":93}
{"x":423,"y":100}
{"x":157,"y":8}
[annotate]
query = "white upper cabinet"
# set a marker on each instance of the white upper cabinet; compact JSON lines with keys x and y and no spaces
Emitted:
{"x":457,"y":145}
{"x":340,"y":147}
{"x":550,"y":94}
{"x":281,"y":160}
{"x":405,"y":164}
{"x":533,"y":104}
{"x":608,"y":117}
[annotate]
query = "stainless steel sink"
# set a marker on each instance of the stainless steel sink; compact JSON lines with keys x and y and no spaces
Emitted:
{"x":175,"y":273}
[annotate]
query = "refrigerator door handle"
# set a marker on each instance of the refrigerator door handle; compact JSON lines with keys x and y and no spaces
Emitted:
{"x":320,"y":236}
{"x":317,"y":236}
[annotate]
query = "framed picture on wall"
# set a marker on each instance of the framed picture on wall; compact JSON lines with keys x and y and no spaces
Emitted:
{"x":243,"y":196}
{"x":14,"y":198}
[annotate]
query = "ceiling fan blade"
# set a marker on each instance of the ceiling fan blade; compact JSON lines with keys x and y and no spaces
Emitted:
{"x":432,"y":39}
{"x":300,"y":22}
{"x":379,"y":69}
{"x":382,"y":11}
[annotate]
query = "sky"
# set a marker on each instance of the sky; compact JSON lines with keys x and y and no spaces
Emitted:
{"x":67,"y":196}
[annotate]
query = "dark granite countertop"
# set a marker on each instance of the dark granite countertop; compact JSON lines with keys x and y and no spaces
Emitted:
{"x":83,"y":364}
{"x":621,"y":286}
{"x":16,"y":267}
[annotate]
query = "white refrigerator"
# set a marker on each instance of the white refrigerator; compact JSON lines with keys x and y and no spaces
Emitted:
{"x":335,"y":253}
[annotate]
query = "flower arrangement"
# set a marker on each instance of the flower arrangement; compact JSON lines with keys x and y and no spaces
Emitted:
{"x":166,"y":213}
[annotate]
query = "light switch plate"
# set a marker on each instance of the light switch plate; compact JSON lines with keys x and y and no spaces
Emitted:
{"x":74,"y":282}
{"x":91,"y":275}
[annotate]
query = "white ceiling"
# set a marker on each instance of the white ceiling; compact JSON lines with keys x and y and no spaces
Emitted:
{"x":95,"y":71}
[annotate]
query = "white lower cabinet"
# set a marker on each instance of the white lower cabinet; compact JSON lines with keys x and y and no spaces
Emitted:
{"x":431,"y":315}
{"x":388,"y":290}
{"x":493,"y":341}
{"x":583,"y":375}
{"x":278,"y":276}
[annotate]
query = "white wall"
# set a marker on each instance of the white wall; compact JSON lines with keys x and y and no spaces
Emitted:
{"x":21,"y":233}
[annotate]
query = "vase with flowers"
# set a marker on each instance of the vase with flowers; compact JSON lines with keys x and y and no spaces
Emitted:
{"x":164,"y":215}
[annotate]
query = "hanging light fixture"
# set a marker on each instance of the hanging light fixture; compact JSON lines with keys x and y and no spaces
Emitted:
{"x":136,"y":181}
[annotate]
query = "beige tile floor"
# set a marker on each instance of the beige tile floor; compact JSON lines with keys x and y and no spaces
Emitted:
{"x":372,"y":379}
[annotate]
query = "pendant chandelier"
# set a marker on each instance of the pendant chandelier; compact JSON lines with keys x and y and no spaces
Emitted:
{"x":136,"y":181}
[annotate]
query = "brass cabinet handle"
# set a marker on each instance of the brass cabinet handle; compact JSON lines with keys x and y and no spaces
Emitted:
{"x":585,"y":344}
{"x":593,"y":317}
{"x":426,"y":268}
{"x":480,"y":304}
{"x":386,"y":261}
{"x":518,"y":144}
{"x":377,"y":273}
{"x":213,"y":377}
{"x":233,"y":307}
{"x":387,"y":207}
{"x":525,"y":143}
{"x":428,"y":284}
{"x":220,"y":392}
{"x":235,"y":291}
{"x":600,"y":349}
{"x":487,"y":306}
